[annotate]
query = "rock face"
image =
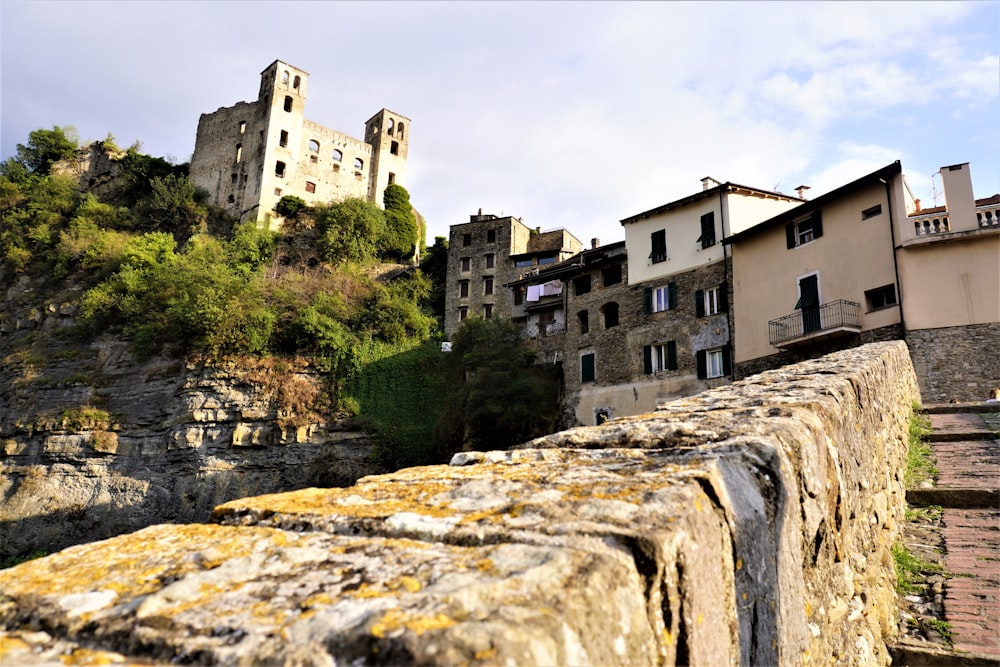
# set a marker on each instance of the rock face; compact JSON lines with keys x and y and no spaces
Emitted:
{"x":94,"y":444}
{"x":751,"y":524}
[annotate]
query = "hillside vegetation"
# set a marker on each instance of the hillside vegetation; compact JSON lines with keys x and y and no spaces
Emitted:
{"x":151,"y":261}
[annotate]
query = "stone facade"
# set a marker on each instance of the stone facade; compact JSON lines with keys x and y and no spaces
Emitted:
{"x":248,"y":156}
{"x":956,"y":363}
{"x":487,"y":253}
{"x":752,"y":524}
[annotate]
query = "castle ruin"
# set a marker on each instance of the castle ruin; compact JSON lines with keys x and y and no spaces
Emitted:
{"x":248,"y":156}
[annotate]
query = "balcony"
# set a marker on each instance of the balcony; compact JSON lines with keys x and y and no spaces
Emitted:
{"x":836,"y":319}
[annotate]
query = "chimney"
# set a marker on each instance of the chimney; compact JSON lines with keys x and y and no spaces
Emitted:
{"x":594,"y":243}
{"x":958,"y":197}
{"x":916,"y":202}
{"x":708,"y":183}
{"x":801,"y":191}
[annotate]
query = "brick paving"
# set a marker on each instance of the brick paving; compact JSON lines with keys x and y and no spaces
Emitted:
{"x":967,"y":449}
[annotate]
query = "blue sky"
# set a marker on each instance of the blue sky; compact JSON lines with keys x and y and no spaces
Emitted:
{"x":565,"y":114}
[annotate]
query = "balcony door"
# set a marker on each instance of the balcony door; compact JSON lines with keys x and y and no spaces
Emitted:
{"x":809,"y":303}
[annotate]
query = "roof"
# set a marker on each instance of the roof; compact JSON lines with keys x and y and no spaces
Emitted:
{"x":882,"y":175}
{"x":547,"y":241}
{"x":705,"y":194}
{"x":986,"y":201}
{"x":578,"y":262}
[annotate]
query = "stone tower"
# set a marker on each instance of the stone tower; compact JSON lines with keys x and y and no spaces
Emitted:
{"x":250,"y":155}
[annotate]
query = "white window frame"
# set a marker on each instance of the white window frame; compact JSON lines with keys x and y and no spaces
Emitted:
{"x":713,"y":363}
{"x":658,"y":356}
{"x":712,"y":301}
{"x":661,"y":299}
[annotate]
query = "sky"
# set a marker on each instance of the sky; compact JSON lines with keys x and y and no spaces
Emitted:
{"x":563,"y":114}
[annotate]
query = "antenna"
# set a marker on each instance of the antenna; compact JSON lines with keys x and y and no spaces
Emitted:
{"x":934,"y":190}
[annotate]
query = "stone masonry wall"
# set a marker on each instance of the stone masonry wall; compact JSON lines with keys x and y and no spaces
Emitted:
{"x":751,"y":524}
{"x":960,"y":364}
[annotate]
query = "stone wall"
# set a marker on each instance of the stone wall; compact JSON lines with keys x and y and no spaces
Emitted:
{"x":751,"y":524}
{"x":956,"y":364}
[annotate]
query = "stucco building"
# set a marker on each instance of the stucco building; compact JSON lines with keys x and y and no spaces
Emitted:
{"x":248,"y":156}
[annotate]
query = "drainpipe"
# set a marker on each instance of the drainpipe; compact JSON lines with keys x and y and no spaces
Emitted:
{"x":730,"y":302}
{"x":895,"y":261}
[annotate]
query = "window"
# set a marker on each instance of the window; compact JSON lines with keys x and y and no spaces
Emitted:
{"x":277,"y":192}
{"x":313,"y":146}
{"x":602,"y":416}
{"x":279,"y":169}
{"x":547,"y":259}
{"x":488,"y":286}
{"x":610,"y":311}
{"x":288,"y":102}
{"x":338,"y":155}
{"x":283,"y":139}
{"x":518,"y":296}
{"x":658,"y":240}
{"x":399,"y":130}
{"x":804,"y":231}
{"x":612,"y":275}
{"x":713,"y":363}
{"x":523,"y":263}
{"x":658,"y":358}
{"x":882,"y":297}
{"x":707,"y":238}
{"x":466,"y":264}
{"x":466,"y":239}
{"x":231,"y":199}
{"x":296,"y":81}
{"x":463,"y":289}
{"x":392,"y":178}
{"x":583,"y":317}
{"x":234,"y":178}
{"x":488,"y":311}
{"x":581,"y":285}
{"x":710,"y":301}
{"x":463,"y":312}
{"x":243,"y":126}
{"x":284,"y":77}
{"x":587,"y":367}
{"x":871,"y":212}
{"x":359,"y":163}
{"x":394,"y":148}
{"x":389,"y":129}
{"x":310,"y":186}
{"x":239,"y":152}
{"x":491,"y":236}
{"x":658,"y":299}
{"x":490,"y":260}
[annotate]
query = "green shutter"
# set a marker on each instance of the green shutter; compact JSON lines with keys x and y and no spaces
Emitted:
{"x":587,"y":368}
{"x":817,"y":225}
{"x":647,"y":300}
{"x":727,"y":362}
{"x":671,"y":355}
{"x":647,"y":359}
{"x":702,"y":363}
{"x":671,"y":295}
{"x":699,"y":303}
{"x":790,"y":234}
{"x":723,"y":298}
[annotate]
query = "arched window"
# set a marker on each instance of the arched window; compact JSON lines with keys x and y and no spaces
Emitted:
{"x":338,"y":155}
{"x":389,"y":130}
{"x":359,"y":163}
{"x":288,"y":102}
{"x":295,"y":83}
{"x":239,"y":152}
{"x":399,"y":130}
{"x":314,"y":146}
{"x":284,"y":77}
{"x":610,"y":311}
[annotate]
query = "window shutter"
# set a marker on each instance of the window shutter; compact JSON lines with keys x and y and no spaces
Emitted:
{"x":671,"y":355}
{"x":587,"y":368}
{"x":647,"y":359}
{"x":707,"y":237}
{"x":647,"y":300}
{"x":723,"y":298}
{"x":727,"y":362}
{"x":702,"y":364}
{"x":671,"y":295}
{"x":699,"y":303}
{"x":817,"y":225}
{"x":790,"y":234}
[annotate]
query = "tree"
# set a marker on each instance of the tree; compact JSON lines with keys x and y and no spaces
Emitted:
{"x":289,"y":206}
{"x":435,"y":267}
{"x":46,"y":147}
{"x":499,"y":397}
{"x":401,"y":223}
{"x":352,"y":230}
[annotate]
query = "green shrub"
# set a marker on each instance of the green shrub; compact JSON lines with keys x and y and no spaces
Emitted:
{"x":289,"y":206}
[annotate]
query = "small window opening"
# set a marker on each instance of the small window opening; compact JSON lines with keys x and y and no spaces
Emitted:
{"x":491,"y":236}
{"x":881,"y":297}
{"x":231,"y":199}
{"x":587,"y":373}
{"x":399,"y":131}
{"x":279,"y":169}
{"x":463,"y":289}
{"x":389,"y":128}
{"x":466,"y":239}
{"x":488,"y":311}
{"x":463,"y":313}
{"x":392,"y":178}
{"x":283,"y":139}
{"x":583,"y":317}
{"x":466,"y":264}
{"x":612,"y":275}
{"x":610,"y":311}
{"x":243,"y":127}
{"x":488,"y":286}
{"x":296,"y":82}
{"x":338,"y":155}
{"x":658,"y":241}
{"x":313,"y":146}
{"x":359,"y":163}
{"x":871,"y":212}
{"x":277,"y":192}
{"x":239,"y":152}
{"x":288,"y":102}
{"x":235,"y":177}
{"x":394,"y":148}
{"x":284,"y":77}
{"x":310,"y":186}
{"x":581,"y":285}
{"x":490,"y":259}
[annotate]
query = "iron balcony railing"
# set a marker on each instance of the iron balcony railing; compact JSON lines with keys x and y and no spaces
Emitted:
{"x":838,"y":314}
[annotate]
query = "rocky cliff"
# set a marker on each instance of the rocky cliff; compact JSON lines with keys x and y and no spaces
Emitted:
{"x":751,"y":524}
{"x":94,"y":443}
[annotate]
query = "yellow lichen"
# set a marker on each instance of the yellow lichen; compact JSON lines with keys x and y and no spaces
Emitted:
{"x":395,"y":619}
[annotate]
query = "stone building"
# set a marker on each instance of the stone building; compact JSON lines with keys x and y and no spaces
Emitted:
{"x":248,"y":156}
{"x":488,"y":252}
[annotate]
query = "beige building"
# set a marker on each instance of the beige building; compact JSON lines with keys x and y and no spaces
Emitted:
{"x":248,"y":156}
{"x":855,"y":266}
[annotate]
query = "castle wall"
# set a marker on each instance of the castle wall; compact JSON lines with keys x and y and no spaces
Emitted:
{"x":956,"y":363}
